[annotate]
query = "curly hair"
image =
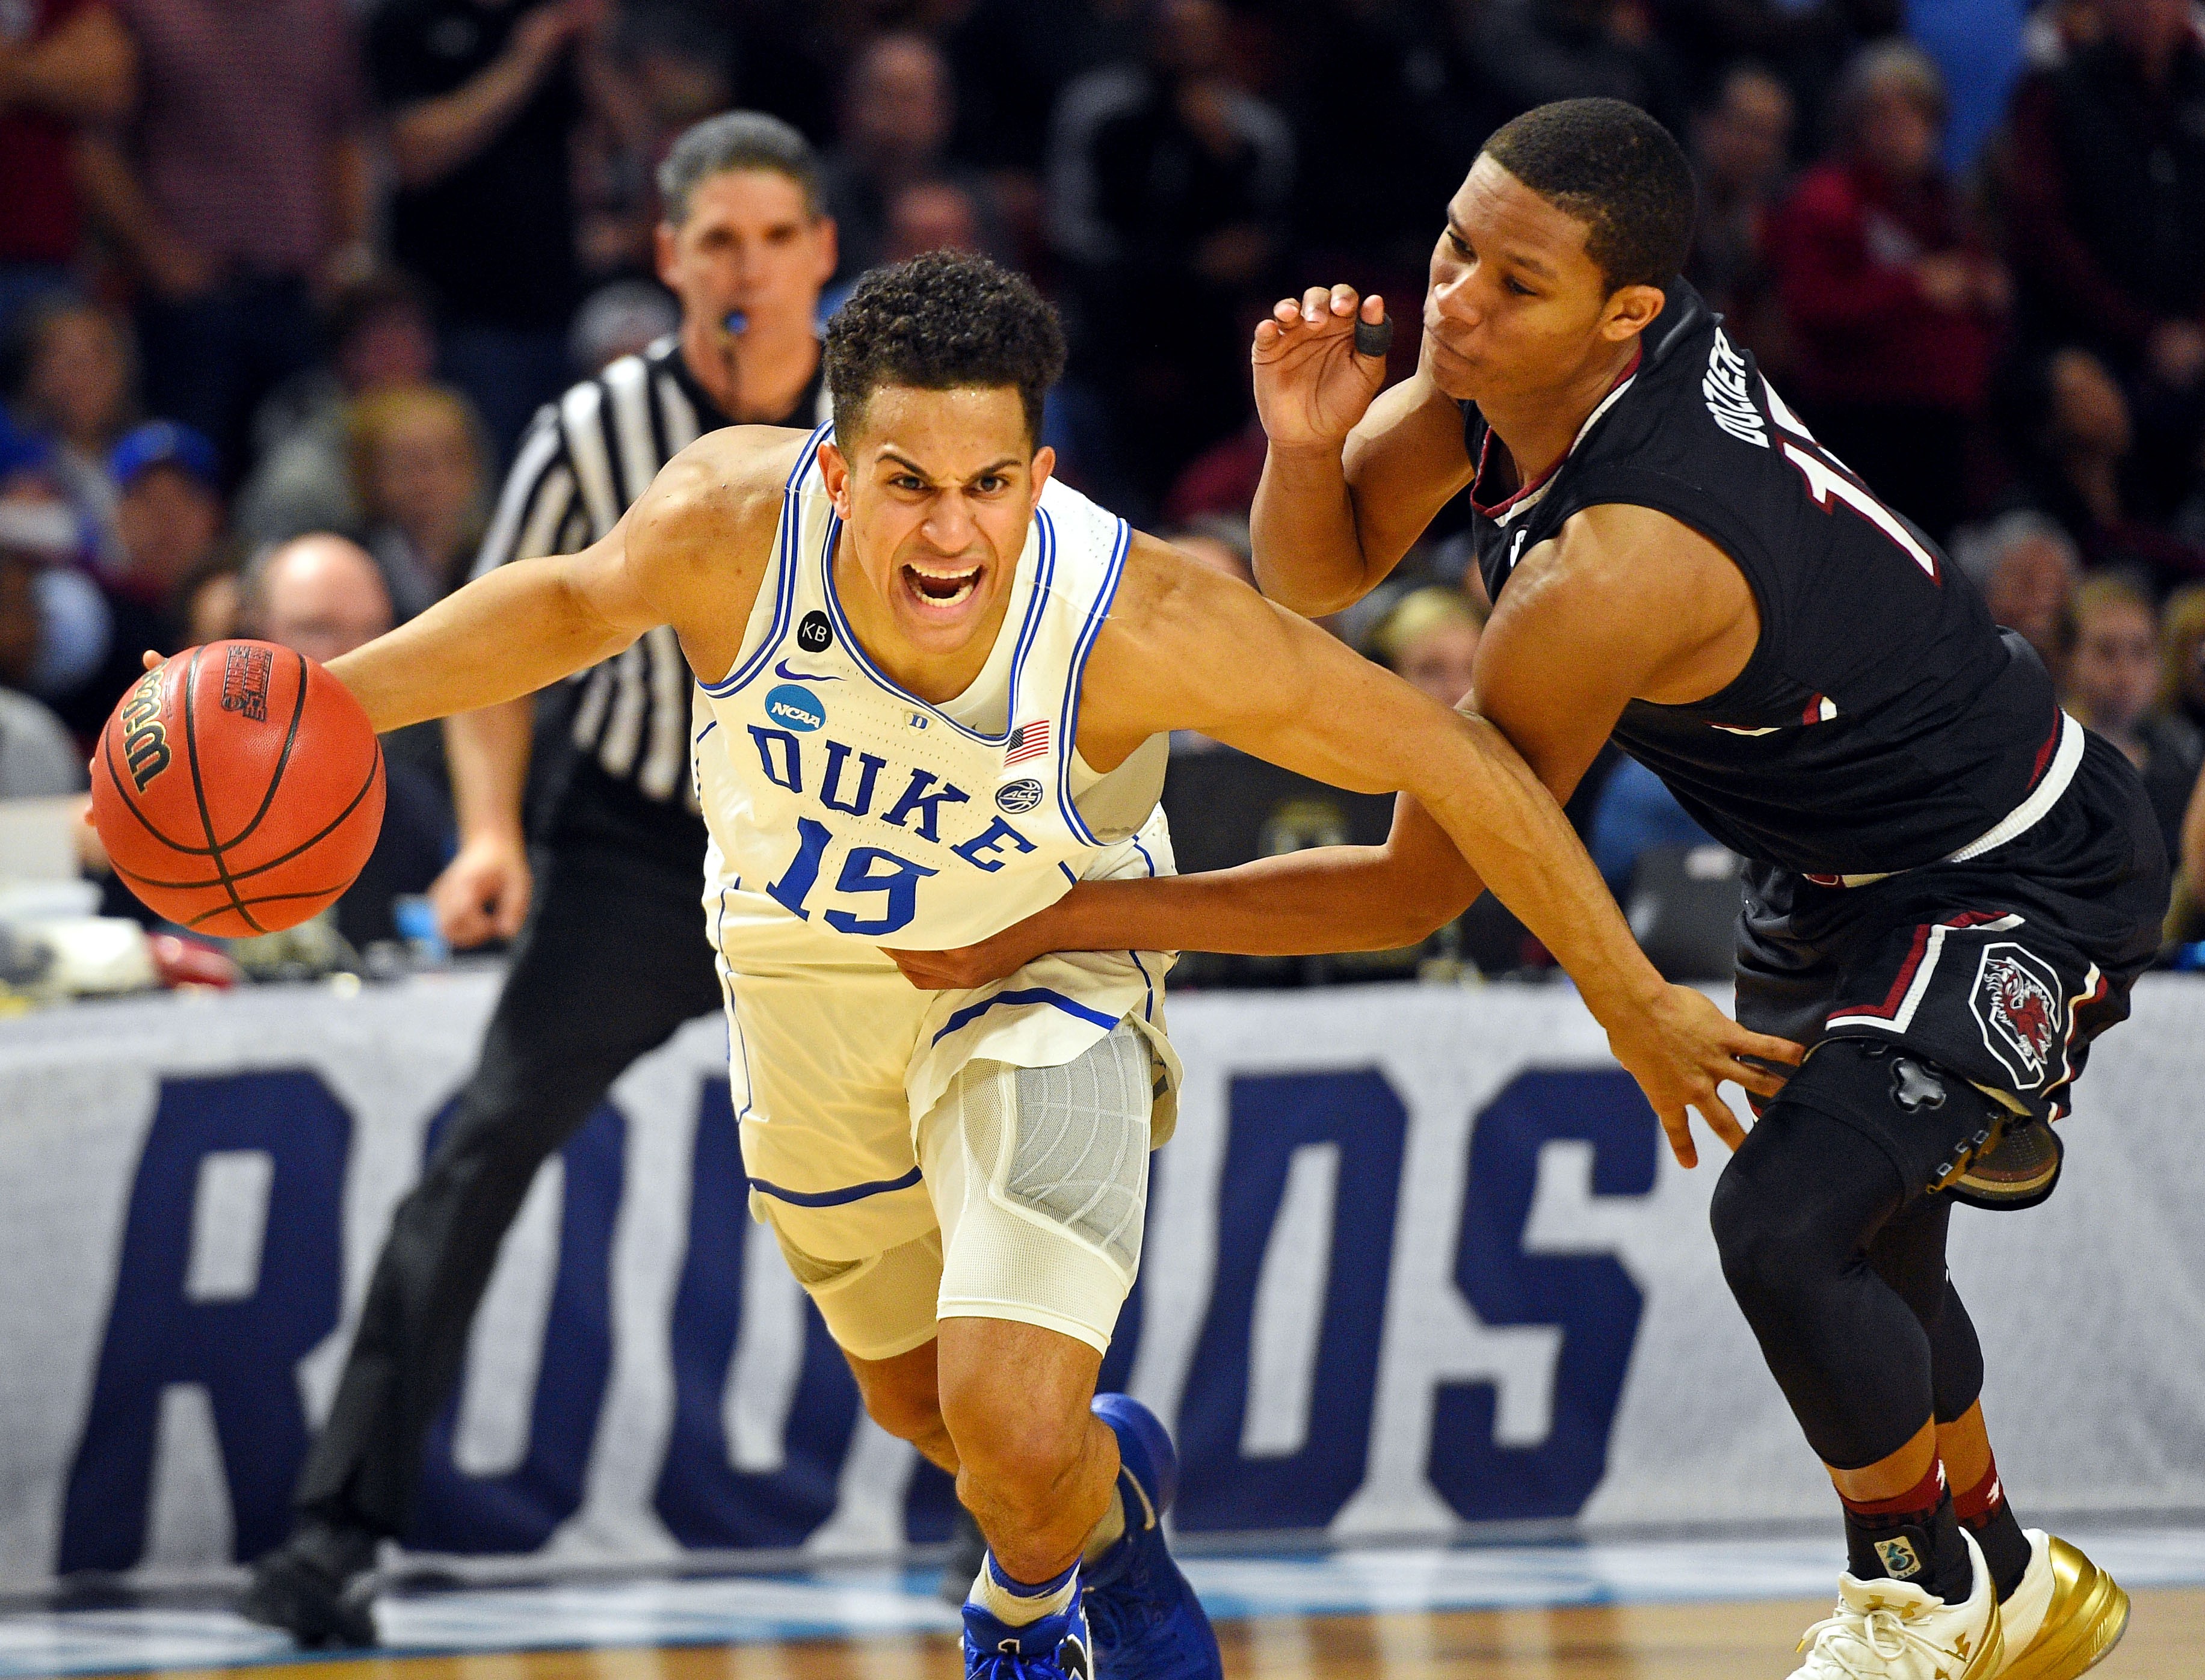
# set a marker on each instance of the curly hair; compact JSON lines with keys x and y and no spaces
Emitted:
{"x":945,"y":321}
{"x":1617,"y":170}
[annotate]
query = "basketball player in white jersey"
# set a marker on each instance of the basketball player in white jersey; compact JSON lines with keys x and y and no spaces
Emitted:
{"x":934,"y":689}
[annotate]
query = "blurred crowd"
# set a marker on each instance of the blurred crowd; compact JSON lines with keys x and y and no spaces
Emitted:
{"x":309,"y":277}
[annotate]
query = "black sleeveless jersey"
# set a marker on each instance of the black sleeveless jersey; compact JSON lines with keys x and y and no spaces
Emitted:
{"x":1883,"y":720}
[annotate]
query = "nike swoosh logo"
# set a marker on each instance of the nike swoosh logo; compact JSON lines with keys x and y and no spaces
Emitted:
{"x":783,"y":670}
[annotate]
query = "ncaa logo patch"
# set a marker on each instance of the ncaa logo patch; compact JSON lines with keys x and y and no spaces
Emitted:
{"x":1019,"y":796}
{"x":794,"y":707}
{"x":814,"y":634}
{"x":2015,"y":1002}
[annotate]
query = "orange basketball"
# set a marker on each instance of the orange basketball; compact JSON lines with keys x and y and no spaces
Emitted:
{"x":238,"y":788}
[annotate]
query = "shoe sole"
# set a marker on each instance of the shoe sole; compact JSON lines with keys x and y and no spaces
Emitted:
{"x":311,"y":1618}
{"x":2089,"y":1613}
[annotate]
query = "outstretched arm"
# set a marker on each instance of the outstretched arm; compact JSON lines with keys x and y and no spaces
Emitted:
{"x":1328,"y":898}
{"x":1184,"y":648}
{"x":688,"y":554}
{"x":517,"y":629}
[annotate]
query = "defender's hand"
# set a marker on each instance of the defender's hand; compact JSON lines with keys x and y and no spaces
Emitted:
{"x":484,"y":892}
{"x":1679,"y":1048}
{"x":969,"y":965}
{"x":1311,"y":386}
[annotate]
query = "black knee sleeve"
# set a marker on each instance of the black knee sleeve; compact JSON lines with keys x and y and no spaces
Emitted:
{"x":1908,"y":1253}
{"x":1835,"y":1252}
{"x":1929,"y":1122}
{"x":1956,"y":1361}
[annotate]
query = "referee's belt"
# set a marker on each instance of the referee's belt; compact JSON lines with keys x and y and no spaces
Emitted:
{"x":2013,"y":826}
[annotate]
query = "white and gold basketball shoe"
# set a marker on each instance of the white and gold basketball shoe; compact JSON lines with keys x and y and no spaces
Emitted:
{"x":2065,"y":1617}
{"x":1892,"y":1630}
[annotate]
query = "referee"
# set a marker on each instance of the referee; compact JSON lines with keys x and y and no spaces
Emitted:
{"x":613,"y":957}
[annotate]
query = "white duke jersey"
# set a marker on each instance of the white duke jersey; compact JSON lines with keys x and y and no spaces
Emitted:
{"x":846,"y":814}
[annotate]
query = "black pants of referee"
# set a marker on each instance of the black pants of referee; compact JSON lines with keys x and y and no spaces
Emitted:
{"x":613,"y":960}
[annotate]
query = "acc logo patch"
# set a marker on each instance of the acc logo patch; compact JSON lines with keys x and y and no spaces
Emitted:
{"x":794,"y":707}
{"x":1019,"y":796}
{"x":814,"y":633}
{"x":2017,"y":1003}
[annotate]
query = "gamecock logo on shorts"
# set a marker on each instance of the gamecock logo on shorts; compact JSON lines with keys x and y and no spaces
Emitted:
{"x":2017,"y":1002}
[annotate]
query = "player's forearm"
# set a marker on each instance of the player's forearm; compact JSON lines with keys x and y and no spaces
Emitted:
{"x":1308,"y":551}
{"x":1514,"y":835}
{"x":487,"y":752}
{"x":1334,"y":897}
{"x":508,"y":634}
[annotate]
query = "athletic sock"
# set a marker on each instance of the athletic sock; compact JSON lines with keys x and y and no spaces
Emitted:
{"x":1107,"y":1532}
{"x":1914,"y":1538}
{"x":1017,"y":1603}
{"x":1983,"y":1512}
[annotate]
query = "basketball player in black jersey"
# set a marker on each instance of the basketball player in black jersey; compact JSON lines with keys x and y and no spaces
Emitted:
{"x":1951,"y":885}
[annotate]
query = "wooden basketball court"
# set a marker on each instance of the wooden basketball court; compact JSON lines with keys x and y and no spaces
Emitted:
{"x":1749,"y":1642}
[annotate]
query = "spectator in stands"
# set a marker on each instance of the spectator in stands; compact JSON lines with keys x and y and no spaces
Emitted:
{"x":76,"y":627}
{"x":1741,"y":150}
{"x":2105,"y":185}
{"x":1015,"y":59}
{"x":933,"y":216}
{"x":1385,"y":108}
{"x":168,"y":525}
{"x":624,"y":319}
{"x":898,"y":107}
{"x":1805,"y":42}
{"x":2074,"y":437}
{"x":37,"y":759}
{"x":2113,"y":686}
{"x":64,"y":64}
{"x":1978,"y":50}
{"x":1894,"y":307}
{"x":1531,"y":52}
{"x":2028,"y":568}
{"x":677,"y":59}
{"x":242,"y":191}
{"x":484,"y":98}
{"x":672,"y":61}
{"x":322,"y":595}
{"x":1219,"y":541}
{"x":418,"y":462}
{"x":1429,"y":638}
{"x":168,"y":514}
{"x":211,"y":605}
{"x":1634,"y":813}
{"x":2181,"y":656}
{"x":78,"y":390}
{"x":1167,"y":182}
{"x":380,"y":338}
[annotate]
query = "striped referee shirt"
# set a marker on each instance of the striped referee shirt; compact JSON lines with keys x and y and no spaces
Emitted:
{"x":585,"y":461}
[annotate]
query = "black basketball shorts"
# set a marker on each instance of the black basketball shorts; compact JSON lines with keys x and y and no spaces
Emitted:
{"x":2000,"y":969}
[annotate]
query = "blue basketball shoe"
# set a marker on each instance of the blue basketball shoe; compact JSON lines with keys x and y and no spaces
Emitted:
{"x":1056,"y":1647}
{"x":1146,"y":1619}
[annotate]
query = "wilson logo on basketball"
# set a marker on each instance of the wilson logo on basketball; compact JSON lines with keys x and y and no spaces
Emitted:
{"x":146,"y":739}
{"x":244,"y":673}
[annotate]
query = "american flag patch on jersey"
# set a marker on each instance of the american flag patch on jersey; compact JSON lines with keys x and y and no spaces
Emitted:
{"x":1028,"y":740}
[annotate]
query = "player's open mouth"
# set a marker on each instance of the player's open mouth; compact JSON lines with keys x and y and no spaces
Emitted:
{"x":941,"y":589}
